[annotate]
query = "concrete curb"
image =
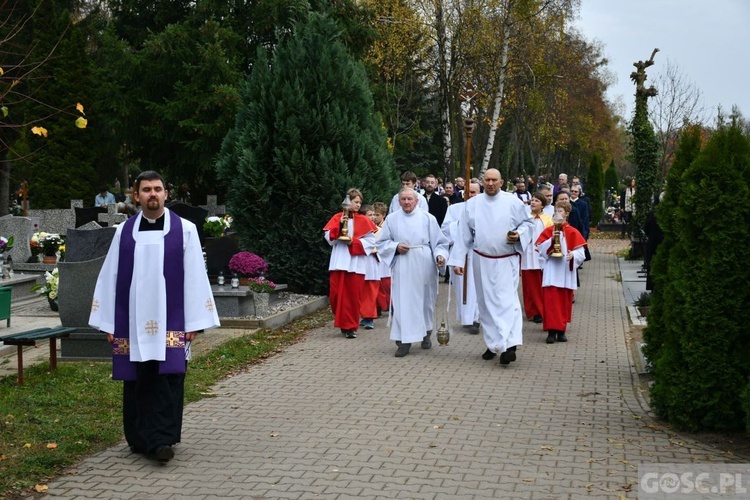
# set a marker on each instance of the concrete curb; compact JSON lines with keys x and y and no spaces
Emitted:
{"x":278,"y":319}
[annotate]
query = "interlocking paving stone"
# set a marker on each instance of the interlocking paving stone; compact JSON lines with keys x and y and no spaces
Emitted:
{"x":339,"y":418}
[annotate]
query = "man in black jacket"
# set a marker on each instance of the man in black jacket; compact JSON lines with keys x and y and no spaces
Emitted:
{"x":436,"y":204}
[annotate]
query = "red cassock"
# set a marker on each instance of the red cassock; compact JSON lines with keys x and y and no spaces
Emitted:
{"x":558,"y":300}
{"x":345,"y":288}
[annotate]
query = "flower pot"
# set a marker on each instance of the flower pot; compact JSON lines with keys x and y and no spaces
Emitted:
{"x":52,"y":304}
{"x":49,"y":259}
{"x":244,"y":280}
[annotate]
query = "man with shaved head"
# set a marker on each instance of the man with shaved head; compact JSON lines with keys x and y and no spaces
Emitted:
{"x":496,"y":227}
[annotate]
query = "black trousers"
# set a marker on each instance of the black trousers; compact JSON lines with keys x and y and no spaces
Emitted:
{"x":152,"y":408}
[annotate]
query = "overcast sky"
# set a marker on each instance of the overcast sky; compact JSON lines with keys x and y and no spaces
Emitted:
{"x":708,"y":41}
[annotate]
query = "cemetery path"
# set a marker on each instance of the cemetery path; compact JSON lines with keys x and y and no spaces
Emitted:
{"x":341,"y":418}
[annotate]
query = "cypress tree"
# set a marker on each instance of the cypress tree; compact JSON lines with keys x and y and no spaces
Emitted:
{"x":305,"y":133}
{"x":611,"y":180}
{"x":655,"y":334}
{"x":701,"y":369}
{"x":595,"y":188}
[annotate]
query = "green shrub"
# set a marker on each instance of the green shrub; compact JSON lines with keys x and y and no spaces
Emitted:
{"x":700,"y":360}
{"x":644,"y":300}
{"x":305,"y":133}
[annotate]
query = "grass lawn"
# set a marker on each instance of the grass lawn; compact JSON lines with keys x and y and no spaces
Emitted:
{"x":56,"y":418}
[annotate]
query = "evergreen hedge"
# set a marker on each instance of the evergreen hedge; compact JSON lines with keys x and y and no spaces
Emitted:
{"x":305,"y":133}
{"x":701,"y":346}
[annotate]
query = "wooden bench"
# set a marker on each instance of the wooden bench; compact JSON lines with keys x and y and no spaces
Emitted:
{"x":30,"y":338}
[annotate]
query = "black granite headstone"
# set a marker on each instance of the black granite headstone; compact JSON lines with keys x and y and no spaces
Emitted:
{"x":84,"y":215}
{"x":75,"y":297}
{"x":82,"y":244}
{"x":196,"y":215}
{"x":218,"y":253}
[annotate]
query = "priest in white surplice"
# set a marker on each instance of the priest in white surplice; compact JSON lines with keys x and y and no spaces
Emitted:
{"x":412,"y":244}
{"x":496,"y":227}
{"x":467,"y":314}
{"x":151,"y":298}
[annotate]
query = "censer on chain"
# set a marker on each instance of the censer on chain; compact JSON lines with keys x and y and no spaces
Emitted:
{"x":443,"y":334}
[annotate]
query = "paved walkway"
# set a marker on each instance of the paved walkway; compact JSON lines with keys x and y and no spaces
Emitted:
{"x":334,"y":418}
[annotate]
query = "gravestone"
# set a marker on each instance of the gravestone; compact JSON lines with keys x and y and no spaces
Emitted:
{"x":218,"y":253}
{"x":57,"y":220}
{"x":196,"y":215}
{"x":85,"y":215}
{"x":89,"y":226}
{"x":76,"y":291}
{"x":212,"y":207}
{"x":112,"y":217}
{"x":82,"y":245}
{"x":22,"y":229}
{"x":85,"y":251}
{"x":77,"y":281}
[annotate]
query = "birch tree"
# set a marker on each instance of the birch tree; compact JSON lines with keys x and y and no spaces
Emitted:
{"x":679,"y":103}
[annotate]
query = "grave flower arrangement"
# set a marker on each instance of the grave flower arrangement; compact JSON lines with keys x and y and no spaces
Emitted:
{"x":36,"y":248}
{"x":261,"y":285}
{"x":49,"y":242}
{"x":49,"y":287}
{"x":247,"y":264}
{"x":5,"y":244}
{"x":217,"y":226}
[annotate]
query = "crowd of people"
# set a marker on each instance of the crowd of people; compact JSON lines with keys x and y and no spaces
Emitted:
{"x":486,"y":238}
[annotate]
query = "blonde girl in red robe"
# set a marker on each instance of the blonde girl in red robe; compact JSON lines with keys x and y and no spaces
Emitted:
{"x":559,"y":273}
{"x":531,"y":266}
{"x":348,"y":264}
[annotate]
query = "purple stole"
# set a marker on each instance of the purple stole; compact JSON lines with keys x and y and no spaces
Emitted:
{"x":122,"y":367}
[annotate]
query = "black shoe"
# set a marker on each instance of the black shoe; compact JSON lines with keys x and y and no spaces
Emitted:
{"x":551,"y":337}
{"x":163,"y":453}
{"x":350,"y":334}
{"x":508,"y":356}
{"x":426,"y":341}
{"x":537,"y":319}
{"x":488,"y":355}
{"x":561,"y":337}
{"x":403,"y":350}
{"x":472,"y":329}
